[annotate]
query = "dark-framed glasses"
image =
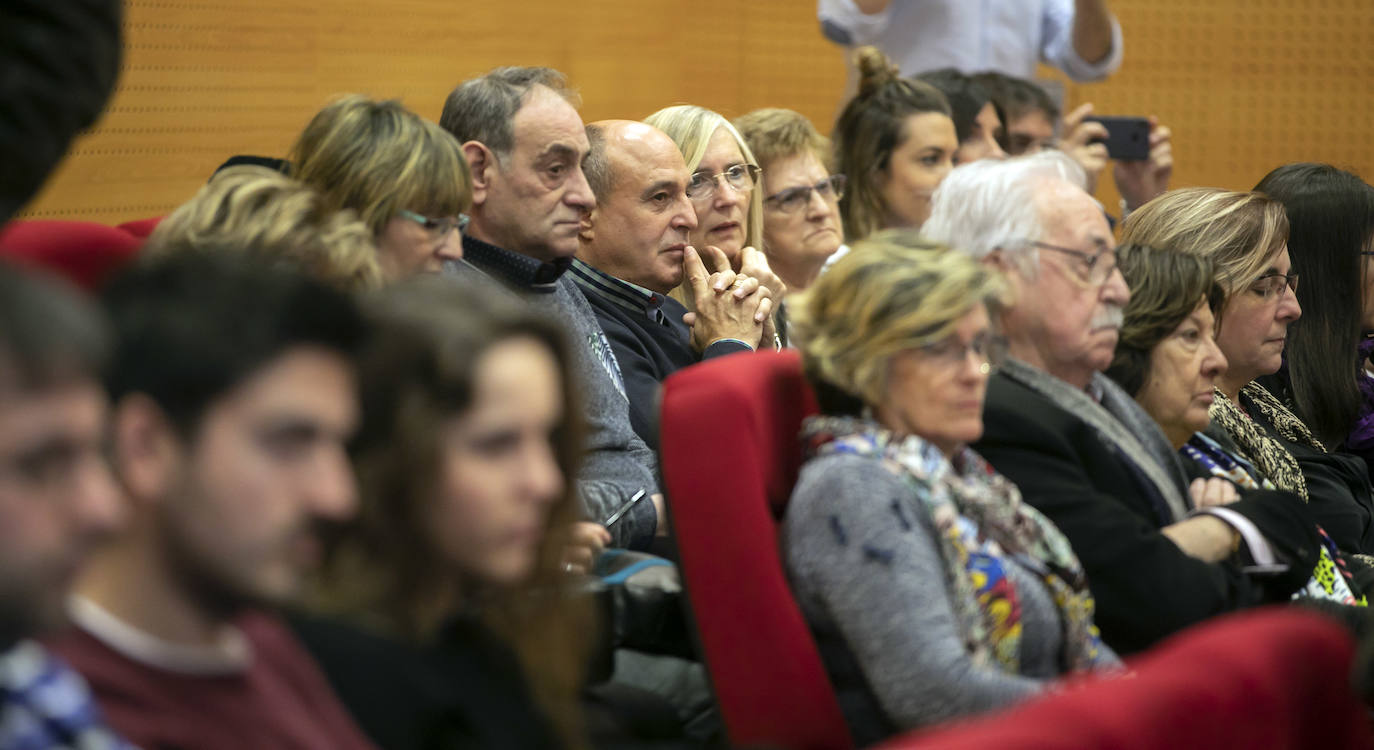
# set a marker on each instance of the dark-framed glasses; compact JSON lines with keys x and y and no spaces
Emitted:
{"x":438,"y":228}
{"x":740,"y":177}
{"x":794,"y":199}
{"x":1095,"y":267}
{"x":988,"y":348}
{"x":1270,"y":286}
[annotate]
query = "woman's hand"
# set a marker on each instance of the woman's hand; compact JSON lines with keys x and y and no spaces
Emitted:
{"x":586,"y":540}
{"x":1208,"y":493}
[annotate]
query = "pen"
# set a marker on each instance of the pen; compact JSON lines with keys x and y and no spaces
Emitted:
{"x":622,"y":510}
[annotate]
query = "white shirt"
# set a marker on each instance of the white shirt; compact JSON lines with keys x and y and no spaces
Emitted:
{"x":1009,"y":36}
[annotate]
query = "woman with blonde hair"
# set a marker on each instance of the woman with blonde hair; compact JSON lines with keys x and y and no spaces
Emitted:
{"x":1245,"y":235}
{"x":404,"y":176}
{"x":895,"y":140}
{"x":933,"y":590}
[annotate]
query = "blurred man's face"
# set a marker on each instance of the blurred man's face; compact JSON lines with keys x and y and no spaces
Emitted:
{"x":1030,"y":133}
{"x":57,"y":499}
{"x":265,"y":468}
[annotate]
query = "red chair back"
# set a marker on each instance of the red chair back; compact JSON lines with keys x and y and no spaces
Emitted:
{"x":84,"y":252}
{"x":730,"y":458}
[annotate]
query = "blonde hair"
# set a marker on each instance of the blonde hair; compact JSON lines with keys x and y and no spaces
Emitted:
{"x":378,"y":158}
{"x":775,"y":133}
{"x":1240,"y":232}
{"x":892,"y":292}
{"x":263,"y":213}
{"x":691,"y":128}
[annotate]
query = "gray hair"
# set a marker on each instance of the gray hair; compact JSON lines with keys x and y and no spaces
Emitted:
{"x":990,"y":204}
{"x":482,"y":109}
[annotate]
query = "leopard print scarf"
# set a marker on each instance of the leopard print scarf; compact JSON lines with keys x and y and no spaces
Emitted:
{"x":1273,"y":460}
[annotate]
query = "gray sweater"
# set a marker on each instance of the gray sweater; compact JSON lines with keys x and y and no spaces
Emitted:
{"x":874,"y":591}
{"x":616,"y":464}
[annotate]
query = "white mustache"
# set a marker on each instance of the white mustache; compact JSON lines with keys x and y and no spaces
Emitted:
{"x":1111,"y":316}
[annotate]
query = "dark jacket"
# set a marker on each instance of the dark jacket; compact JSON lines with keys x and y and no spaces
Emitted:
{"x":648,"y":337}
{"x":1145,"y":586}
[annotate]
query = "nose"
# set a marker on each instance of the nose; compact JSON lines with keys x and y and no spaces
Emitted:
{"x":450,"y":247}
{"x":579,"y":193}
{"x":543,"y":479}
{"x":98,"y":508}
{"x":727,"y":194}
{"x":817,"y":207}
{"x":686,"y":215}
{"x":992,"y":148}
{"x":1114,"y":290}
{"x":330,"y":489}
{"x":1289,"y":310}
{"x":1213,"y":361}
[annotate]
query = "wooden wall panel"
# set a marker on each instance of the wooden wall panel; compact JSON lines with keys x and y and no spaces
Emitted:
{"x":1245,"y":84}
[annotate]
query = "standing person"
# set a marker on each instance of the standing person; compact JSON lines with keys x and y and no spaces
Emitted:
{"x":1080,"y":37}
{"x":933,"y":589}
{"x":57,"y":502}
{"x":525,"y":144}
{"x":234,"y":394}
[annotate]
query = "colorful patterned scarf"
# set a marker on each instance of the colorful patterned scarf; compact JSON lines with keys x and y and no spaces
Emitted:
{"x":1331,"y":579}
{"x":981,"y":523}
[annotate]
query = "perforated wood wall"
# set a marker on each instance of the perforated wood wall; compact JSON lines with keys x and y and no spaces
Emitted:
{"x":1245,"y":84}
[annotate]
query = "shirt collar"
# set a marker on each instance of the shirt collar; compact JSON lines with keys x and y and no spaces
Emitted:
{"x":530,"y":274}
{"x":632,"y":297}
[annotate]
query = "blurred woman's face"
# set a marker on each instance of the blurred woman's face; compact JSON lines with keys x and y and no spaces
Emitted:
{"x":1254,"y":327}
{"x":936,"y":391}
{"x":1184,"y":368}
{"x":412,"y":243}
{"x":923,"y":156}
{"x":723,"y":216}
{"x":498,"y":466}
{"x":981,"y":142}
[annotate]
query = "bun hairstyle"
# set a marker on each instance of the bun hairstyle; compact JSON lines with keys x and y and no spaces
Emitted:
{"x":869,"y":129}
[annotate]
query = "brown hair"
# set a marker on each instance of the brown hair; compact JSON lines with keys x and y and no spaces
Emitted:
{"x":774,"y":134}
{"x":1166,"y":287}
{"x":871,"y":127}
{"x":418,"y":372}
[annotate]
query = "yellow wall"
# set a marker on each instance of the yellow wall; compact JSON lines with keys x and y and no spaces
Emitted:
{"x":1245,"y":84}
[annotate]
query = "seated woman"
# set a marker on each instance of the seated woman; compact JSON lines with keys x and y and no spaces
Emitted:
{"x":404,"y":176}
{"x":978,"y":121}
{"x":463,"y":455}
{"x":1167,"y":358}
{"x":932,"y":589}
{"x":1245,"y":235}
{"x":896,"y":142}
{"x":1325,"y":378}
{"x":801,"y":213}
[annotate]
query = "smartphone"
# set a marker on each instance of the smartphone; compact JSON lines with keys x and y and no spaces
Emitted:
{"x":1128,"y":138}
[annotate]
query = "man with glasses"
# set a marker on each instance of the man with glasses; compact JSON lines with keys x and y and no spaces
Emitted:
{"x":57,"y":502}
{"x":634,"y":251}
{"x":525,"y":145}
{"x":1158,"y":552}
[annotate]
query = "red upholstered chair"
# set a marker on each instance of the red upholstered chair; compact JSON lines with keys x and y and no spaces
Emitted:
{"x":730,"y":457}
{"x":1266,"y":680}
{"x":86,"y":253}
{"x":141,"y":228}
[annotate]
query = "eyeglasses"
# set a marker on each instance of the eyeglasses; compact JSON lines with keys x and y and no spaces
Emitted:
{"x":437,"y":228}
{"x":1271,"y":285}
{"x":792,"y":200}
{"x":1095,"y":267}
{"x":741,"y":177}
{"x":989,"y":349}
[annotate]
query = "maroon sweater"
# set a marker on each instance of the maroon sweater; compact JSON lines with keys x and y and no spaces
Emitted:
{"x":280,"y":701}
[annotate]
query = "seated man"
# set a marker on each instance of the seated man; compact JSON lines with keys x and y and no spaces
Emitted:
{"x":1079,"y":448}
{"x":525,"y":145}
{"x":633,"y":252}
{"x":234,"y":394}
{"x":57,"y":501}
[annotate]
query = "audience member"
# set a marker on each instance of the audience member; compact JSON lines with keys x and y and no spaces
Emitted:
{"x":57,"y":502}
{"x":403,"y":175}
{"x":1029,"y":114}
{"x":896,"y":142}
{"x":933,"y":590}
{"x":1081,"y":450}
{"x":978,"y":122}
{"x":1246,"y":236}
{"x":1324,"y":379}
{"x":525,"y":145}
{"x":801,"y":216}
{"x":271,"y":218}
{"x":1169,"y":361}
{"x":466,"y":446}
{"x":1079,"y":37}
{"x":634,"y":253}
{"x":234,"y":394}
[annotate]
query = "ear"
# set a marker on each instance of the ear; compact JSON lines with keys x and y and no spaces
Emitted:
{"x":481,"y":162}
{"x":147,"y":452}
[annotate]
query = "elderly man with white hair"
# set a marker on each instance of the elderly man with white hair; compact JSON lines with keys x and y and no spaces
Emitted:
{"x":1159,"y":554}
